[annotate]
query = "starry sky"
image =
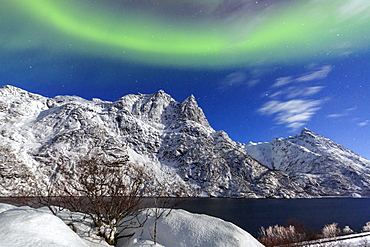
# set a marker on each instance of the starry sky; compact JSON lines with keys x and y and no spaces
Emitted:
{"x":259,"y":69}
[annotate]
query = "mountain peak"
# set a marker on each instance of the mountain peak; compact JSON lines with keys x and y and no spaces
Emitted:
{"x":191,"y":98}
{"x":160,"y":93}
{"x":306,"y":132}
{"x":321,"y":166}
{"x":190,"y":110}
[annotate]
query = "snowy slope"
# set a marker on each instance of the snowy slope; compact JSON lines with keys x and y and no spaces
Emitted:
{"x":320,"y":165}
{"x":171,"y":140}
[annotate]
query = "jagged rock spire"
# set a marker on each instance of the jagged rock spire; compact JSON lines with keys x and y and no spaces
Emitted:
{"x":191,"y":111}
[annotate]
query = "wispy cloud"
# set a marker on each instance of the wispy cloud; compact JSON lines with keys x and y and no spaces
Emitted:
{"x":293,"y":92}
{"x":364,"y":123}
{"x":336,"y":115}
{"x":319,"y":74}
{"x":350,"y":9}
{"x":293,"y":113}
{"x":252,"y":83}
{"x":292,"y":102}
{"x":283,"y":81}
{"x":234,"y":79}
{"x":342,"y":114}
{"x":312,"y":90}
{"x":240,"y":78}
{"x":315,"y":74}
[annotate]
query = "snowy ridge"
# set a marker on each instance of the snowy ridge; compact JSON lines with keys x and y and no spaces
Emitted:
{"x":320,"y":165}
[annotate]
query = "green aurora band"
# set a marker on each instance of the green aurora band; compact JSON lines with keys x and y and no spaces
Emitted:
{"x":283,"y":32}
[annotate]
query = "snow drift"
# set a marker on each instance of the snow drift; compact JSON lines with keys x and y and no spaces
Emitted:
{"x":181,"y":228}
{"x":25,"y":226}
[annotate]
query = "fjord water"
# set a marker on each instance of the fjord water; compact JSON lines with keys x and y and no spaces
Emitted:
{"x":251,"y":214}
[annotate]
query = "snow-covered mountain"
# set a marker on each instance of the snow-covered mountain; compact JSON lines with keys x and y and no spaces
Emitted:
{"x":320,"y":165}
{"x":171,"y":140}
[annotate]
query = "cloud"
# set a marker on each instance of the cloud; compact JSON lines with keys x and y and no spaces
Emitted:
{"x":283,"y":81}
{"x":364,"y":123}
{"x":252,"y":83}
{"x":312,"y":90}
{"x":316,"y":75}
{"x":293,"y":92}
{"x":354,"y":8}
{"x":336,"y":115}
{"x":343,"y":114}
{"x":292,"y":102}
{"x":239,"y":78}
{"x":234,"y":79}
{"x":276,"y":94}
{"x":293,"y":113}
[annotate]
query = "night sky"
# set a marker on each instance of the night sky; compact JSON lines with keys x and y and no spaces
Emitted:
{"x":259,"y":69}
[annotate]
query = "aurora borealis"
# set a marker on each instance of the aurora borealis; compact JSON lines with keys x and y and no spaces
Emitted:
{"x":272,"y":66}
{"x":220,"y":36}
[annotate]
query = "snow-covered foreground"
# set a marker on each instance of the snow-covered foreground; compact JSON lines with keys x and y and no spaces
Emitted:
{"x":24,"y":226}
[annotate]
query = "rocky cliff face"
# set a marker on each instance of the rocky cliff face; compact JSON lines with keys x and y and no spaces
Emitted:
{"x":318,"y":164}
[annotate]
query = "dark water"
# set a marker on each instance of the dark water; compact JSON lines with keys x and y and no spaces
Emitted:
{"x":251,"y":214}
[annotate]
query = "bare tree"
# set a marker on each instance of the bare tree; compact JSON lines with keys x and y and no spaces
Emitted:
{"x":162,"y":204}
{"x":42,"y":195}
{"x":108,"y":191}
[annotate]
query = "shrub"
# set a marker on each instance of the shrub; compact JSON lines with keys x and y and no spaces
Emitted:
{"x":279,"y":235}
{"x":330,"y":231}
{"x":347,"y":230}
{"x":366,"y":228}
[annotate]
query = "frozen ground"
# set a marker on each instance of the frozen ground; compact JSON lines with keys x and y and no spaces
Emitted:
{"x":24,"y":226}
